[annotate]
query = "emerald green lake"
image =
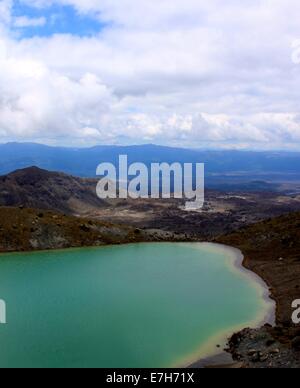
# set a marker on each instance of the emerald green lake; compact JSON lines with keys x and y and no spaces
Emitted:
{"x":139,"y":305}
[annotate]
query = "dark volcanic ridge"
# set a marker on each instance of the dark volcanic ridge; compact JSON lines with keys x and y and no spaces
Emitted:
{"x":41,"y":189}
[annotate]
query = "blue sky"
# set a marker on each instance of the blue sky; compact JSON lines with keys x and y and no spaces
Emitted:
{"x":59,"y":19}
{"x":191,"y":73}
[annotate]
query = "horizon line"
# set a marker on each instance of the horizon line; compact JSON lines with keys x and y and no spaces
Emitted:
{"x":204,"y":149}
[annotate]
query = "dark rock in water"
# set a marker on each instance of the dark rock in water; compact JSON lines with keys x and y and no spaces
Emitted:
{"x":296,"y":343}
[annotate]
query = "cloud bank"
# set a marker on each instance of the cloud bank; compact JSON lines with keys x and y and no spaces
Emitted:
{"x":191,"y":73}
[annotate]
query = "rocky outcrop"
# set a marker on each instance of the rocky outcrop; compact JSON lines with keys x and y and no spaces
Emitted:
{"x":28,"y":229}
{"x":260,"y":349}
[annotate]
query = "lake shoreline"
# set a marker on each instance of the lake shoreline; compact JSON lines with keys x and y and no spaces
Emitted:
{"x":215,"y":357}
{"x":192,"y":302}
{"x":271,"y":250}
{"x":210,"y":354}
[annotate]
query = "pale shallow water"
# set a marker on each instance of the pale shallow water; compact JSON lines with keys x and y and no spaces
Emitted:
{"x":138,"y":305}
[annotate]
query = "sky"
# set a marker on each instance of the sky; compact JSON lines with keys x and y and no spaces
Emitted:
{"x":192,"y":73}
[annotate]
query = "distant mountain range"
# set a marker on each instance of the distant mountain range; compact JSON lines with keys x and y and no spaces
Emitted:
{"x":229,"y":166}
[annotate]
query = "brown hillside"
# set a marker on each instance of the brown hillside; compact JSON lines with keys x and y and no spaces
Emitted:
{"x":28,"y":229}
{"x":40,"y":189}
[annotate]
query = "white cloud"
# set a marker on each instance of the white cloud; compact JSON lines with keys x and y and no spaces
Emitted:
{"x":191,"y":72}
{"x":24,"y":21}
{"x":5,"y":11}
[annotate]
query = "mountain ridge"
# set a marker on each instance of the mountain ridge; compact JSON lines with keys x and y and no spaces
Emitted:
{"x":84,"y":161}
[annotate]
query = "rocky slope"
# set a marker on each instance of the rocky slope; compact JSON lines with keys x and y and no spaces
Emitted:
{"x":223,"y":212}
{"x":29,"y":229}
{"x":260,"y":348}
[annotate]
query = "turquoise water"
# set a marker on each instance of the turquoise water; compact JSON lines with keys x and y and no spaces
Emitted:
{"x":140,"y":305}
